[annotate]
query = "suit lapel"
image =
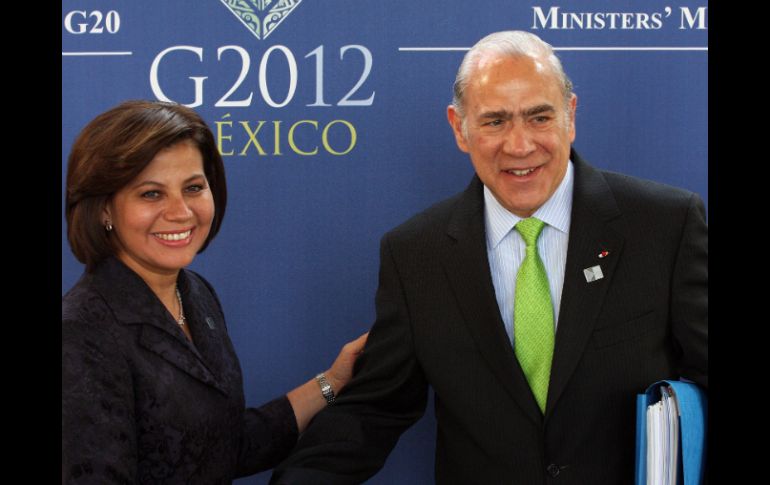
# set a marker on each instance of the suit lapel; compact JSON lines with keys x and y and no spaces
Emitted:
{"x":133,"y":303}
{"x":467,"y":268}
{"x":180,"y":354}
{"x":207,"y":325}
{"x":593,"y":229}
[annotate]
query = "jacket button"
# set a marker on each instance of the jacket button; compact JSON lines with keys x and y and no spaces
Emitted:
{"x":553,"y":470}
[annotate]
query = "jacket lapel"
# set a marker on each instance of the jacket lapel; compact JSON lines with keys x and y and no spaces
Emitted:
{"x":133,"y":303}
{"x":207,"y":325}
{"x":593,"y":229}
{"x":467,"y":268}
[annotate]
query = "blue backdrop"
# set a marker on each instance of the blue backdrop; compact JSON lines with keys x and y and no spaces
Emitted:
{"x":331,"y":119}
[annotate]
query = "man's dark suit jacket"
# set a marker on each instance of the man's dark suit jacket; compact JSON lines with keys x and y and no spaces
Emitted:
{"x":438,"y":324}
{"x":141,"y":404}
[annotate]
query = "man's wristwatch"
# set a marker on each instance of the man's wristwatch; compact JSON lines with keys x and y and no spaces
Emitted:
{"x":326,"y":388}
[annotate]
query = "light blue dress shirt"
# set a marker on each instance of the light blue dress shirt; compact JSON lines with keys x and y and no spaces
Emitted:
{"x":506,"y":248}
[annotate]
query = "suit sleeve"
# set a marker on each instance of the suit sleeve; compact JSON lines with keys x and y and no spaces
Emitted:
{"x":98,"y":432}
{"x":689,"y":302}
{"x":349,"y":440}
{"x":269,"y":433}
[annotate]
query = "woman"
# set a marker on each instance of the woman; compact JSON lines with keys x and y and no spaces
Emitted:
{"x":151,"y":386}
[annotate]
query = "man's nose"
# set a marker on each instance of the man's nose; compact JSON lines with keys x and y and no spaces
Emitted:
{"x":518,"y":141}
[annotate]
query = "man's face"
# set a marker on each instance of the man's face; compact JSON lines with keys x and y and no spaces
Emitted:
{"x":518,"y":132}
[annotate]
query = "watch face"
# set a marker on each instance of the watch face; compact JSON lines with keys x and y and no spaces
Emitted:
{"x":326,"y":388}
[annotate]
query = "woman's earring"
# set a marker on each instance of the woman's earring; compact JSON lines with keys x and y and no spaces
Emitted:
{"x":108,"y":226}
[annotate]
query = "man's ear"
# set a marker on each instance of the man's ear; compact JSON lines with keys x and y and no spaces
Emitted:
{"x":572,"y":112}
{"x":456,"y":122}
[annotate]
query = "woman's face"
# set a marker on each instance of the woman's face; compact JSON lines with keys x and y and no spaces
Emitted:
{"x":162,"y":217}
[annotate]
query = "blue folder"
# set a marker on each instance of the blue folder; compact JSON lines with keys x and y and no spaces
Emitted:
{"x":692,"y":404}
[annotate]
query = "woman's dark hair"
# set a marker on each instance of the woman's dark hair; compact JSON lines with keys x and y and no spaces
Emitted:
{"x":112,"y":150}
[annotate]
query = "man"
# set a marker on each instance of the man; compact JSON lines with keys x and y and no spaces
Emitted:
{"x":537,"y":303}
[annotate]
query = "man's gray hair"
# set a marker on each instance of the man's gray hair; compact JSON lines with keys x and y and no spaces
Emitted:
{"x":512,"y":43}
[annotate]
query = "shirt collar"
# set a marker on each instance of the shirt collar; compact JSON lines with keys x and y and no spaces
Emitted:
{"x":556,"y":212}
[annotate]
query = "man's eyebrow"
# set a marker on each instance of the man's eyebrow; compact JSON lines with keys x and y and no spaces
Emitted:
{"x":507,"y":115}
{"x":499,"y":114}
{"x":536,"y":110}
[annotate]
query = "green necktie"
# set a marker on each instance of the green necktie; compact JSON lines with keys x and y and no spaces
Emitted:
{"x":533,"y":314}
